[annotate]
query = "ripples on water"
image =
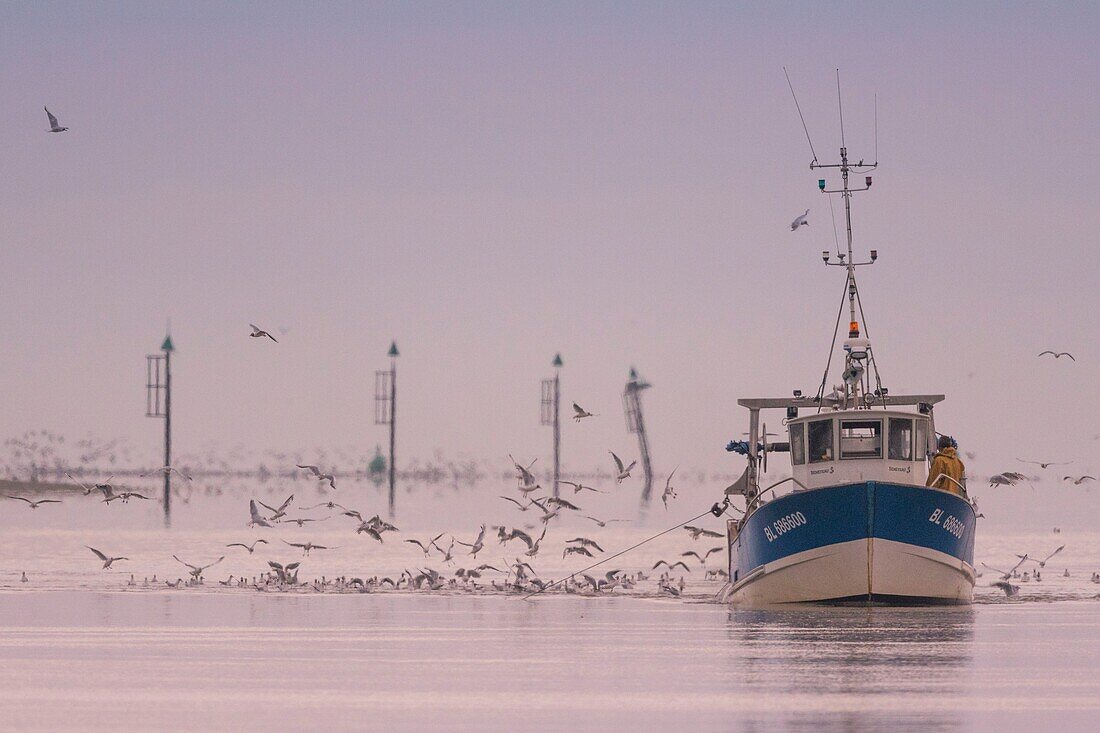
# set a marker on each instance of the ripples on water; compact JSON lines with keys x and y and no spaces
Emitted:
{"x":79,"y":649}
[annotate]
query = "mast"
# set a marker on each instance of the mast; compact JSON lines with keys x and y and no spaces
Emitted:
{"x":857,"y":391}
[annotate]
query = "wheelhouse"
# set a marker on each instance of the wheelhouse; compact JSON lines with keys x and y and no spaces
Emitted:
{"x":859,"y":445}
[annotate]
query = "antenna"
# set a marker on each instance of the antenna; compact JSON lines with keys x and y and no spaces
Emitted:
{"x":840,"y":106}
{"x":876,"y":128}
{"x":855,"y":375}
{"x":806,"y":129}
{"x":836,"y":238}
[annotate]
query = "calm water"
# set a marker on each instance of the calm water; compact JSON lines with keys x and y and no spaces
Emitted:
{"x":81,"y":649}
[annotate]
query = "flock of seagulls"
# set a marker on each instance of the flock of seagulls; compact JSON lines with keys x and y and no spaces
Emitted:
{"x":524,"y":542}
{"x":1006,"y":576}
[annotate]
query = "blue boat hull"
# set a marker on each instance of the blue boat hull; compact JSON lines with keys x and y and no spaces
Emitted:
{"x":866,"y":541}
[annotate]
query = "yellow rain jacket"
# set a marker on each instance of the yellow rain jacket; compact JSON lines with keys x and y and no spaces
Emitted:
{"x":947,"y":463}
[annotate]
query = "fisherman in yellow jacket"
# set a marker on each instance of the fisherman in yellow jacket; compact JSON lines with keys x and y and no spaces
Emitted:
{"x":947,"y":470}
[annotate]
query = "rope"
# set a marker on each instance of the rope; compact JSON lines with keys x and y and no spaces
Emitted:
{"x":874,"y":364}
{"x":806,"y":129}
{"x":618,"y":554}
{"x":832,"y":347}
{"x":836,"y":238}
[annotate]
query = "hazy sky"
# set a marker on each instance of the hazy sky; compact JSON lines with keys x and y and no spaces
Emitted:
{"x":489,"y":184}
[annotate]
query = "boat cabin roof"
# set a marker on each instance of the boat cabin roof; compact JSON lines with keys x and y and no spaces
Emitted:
{"x":769,"y":403}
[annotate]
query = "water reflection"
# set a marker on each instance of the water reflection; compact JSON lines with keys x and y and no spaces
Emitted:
{"x":858,"y":664}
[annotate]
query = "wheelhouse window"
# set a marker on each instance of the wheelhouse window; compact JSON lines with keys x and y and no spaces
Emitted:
{"x":861,"y":438}
{"x":798,"y":444}
{"x":900,"y":442}
{"x":820,"y":439}
{"x":921,"y":441}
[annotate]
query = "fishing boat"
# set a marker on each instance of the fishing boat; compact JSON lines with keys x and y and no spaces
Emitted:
{"x":855,"y":521}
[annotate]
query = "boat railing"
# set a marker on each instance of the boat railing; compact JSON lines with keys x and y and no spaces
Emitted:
{"x":944,"y":475}
{"x":756,"y":499}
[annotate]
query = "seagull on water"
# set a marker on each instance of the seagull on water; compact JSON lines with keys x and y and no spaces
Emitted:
{"x":259,"y":333}
{"x":1009,"y":589}
{"x":622,"y":472}
{"x":801,"y":221}
{"x":35,"y":504}
{"x":107,"y":561}
{"x":54,"y":127}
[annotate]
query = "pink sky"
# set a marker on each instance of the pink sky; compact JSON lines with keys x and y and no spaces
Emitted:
{"x":492,"y":184}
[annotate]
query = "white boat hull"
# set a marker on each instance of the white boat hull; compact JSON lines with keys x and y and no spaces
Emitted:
{"x":863,"y":570}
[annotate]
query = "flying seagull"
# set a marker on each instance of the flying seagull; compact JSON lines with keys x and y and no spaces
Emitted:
{"x":578,"y":488}
{"x":477,"y":545}
{"x":579,"y":413}
{"x":106,"y":560}
{"x":800,"y":221}
{"x":1043,"y":562}
{"x":1058,"y":354}
{"x":164,"y":469}
{"x":281,"y":511}
{"x":1078,"y":481}
{"x":257,"y":518}
{"x":697,"y":532}
{"x":54,"y":127}
{"x":622,"y":472}
{"x":669,"y":492}
{"x":426,"y":547}
{"x":305,"y":547}
{"x":585,"y":542}
{"x":196,"y":570}
{"x":251,"y":548}
{"x":318,"y":474}
{"x":259,"y":333}
{"x":35,"y":504}
{"x":604,"y":522}
{"x":105,"y":487}
{"x":1045,"y":464}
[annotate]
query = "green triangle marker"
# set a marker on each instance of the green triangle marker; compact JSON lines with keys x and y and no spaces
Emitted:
{"x":393,"y":349}
{"x":167,"y":345}
{"x":557,"y":360}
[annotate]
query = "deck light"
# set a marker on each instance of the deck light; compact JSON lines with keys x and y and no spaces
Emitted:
{"x":868,"y":181}
{"x":797,"y":393}
{"x":825,"y":256}
{"x":821,"y":183}
{"x":853,"y":330}
{"x":874,"y":255}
